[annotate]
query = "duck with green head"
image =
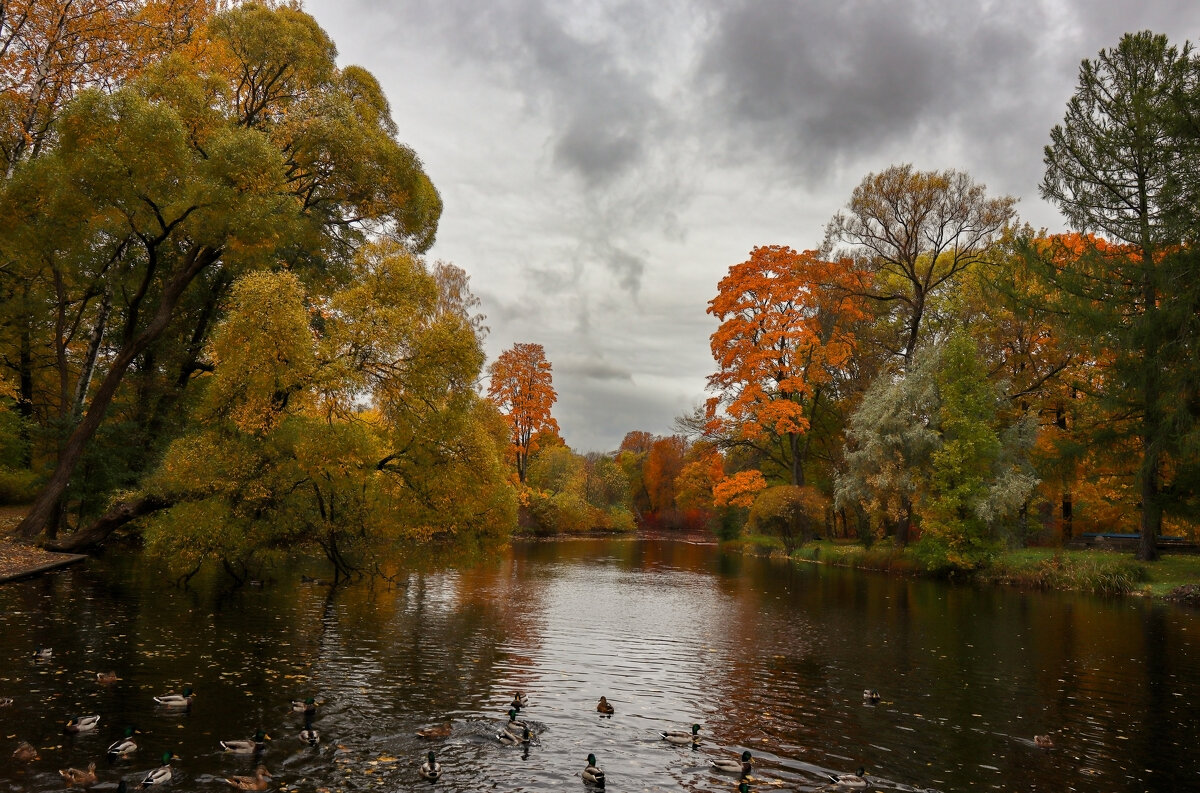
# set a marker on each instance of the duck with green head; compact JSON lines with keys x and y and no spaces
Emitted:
{"x":431,"y":769}
{"x":309,"y":734}
{"x":854,"y":780}
{"x":161,"y":774}
{"x":592,"y":773}
{"x":248,"y":746}
{"x":183,"y":700}
{"x":83,"y":723}
{"x":306,"y":706}
{"x":123,"y":746}
{"x":514,"y":725}
{"x":681,"y":738}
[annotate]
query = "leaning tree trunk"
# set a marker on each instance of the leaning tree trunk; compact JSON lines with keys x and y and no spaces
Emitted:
{"x":42,"y":511}
{"x":102,"y":528}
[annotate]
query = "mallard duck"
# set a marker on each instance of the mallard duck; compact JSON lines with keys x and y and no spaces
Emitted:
{"x":123,"y":746}
{"x":682,"y":738}
{"x":743,"y":787}
{"x":43,"y":653}
{"x":870,"y":696}
{"x":162,"y":773}
{"x":309,"y":734}
{"x":742,"y":766}
{"x":592,"y":774}
{"x":74,"y":776}
{"x":106,"y":678}
{"x":25,"y":753}
{"x":308,"y":706}
{"x":183,"y":700}
{"x":514,"y":725}
{"x":512,"y":739}
{"x":437,"y":731}
{"x":248,"y":746}
{"x":431,"y":768}
{"x":1043,"y":741}
{"x":849,"y":780}
{"x":603,"y":707}
{"x":83,"y":723}
{"x":519,"y":700}
{"x":261,"y":779}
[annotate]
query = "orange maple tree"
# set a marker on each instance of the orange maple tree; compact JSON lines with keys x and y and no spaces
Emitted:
{"x":785,"y":330}
{"x":522,"y":387}
{"x":50,"y":50}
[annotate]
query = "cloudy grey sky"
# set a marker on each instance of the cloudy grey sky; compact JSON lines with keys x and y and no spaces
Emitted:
{"x":603,"y":163}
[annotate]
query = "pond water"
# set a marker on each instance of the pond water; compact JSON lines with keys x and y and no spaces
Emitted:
{"x":765,"y":656}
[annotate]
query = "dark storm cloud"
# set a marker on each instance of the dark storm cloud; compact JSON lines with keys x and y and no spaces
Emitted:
{"x":824,"y":83}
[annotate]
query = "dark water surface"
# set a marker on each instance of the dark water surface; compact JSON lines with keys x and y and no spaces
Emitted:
{"x":763,"y":655}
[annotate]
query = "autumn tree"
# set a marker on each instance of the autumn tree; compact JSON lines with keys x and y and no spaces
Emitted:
{"x":664,"y":462}
{"x":915,"y":232}
{"x":341,"y":431}
{"x":631,"y":456}
{"x":786,"y":330}
{"x":50,"y":51}
{"x":522,"y":386}
{"x":256,"y":151}
{"x":933,"y":446}
{"x":1122,"y":166}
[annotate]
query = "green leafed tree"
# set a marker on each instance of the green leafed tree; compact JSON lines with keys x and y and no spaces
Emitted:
{"x":1123,"y":165}
{"x":975,"y":481}
{"x":932,"y":446}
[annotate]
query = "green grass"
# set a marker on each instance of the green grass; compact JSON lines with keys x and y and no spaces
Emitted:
{"x":1104,"y":572}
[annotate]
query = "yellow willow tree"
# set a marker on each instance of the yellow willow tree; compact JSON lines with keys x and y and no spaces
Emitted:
{"x":784,"y":334}
{"x":523,"y":388}
{"x":339,"y":427}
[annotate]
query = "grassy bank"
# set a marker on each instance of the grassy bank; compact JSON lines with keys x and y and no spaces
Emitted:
{"x":1105,"y":572}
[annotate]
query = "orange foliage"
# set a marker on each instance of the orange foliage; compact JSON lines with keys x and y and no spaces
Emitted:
{"x":740,"y":489}
{"x":52,"y":49}
{"x":522,"y":387}
{"x":637,"y":441}
{"x":784,"y":318}
{"x":663,"y":465}
{"x":701,"y":471}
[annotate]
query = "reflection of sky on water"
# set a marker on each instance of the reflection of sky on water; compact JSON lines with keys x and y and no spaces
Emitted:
{"x":763,"y":655}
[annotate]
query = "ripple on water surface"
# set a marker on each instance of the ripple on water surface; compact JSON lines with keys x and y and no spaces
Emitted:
{"x":764,"y":656}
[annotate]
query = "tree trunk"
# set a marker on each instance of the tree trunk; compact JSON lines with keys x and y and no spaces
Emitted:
{"x":117,"y":516}
{"x":25,"y":396}
{"x":1152,"y":424}
{"x":89,"y":362}
{"x":904,"y":525}
{"x":40,"y":513}
{"x":1151,"y":508}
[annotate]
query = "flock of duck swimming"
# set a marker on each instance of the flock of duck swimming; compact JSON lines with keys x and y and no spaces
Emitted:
{"x":127,"y":745}
{"x":515,"y":732}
